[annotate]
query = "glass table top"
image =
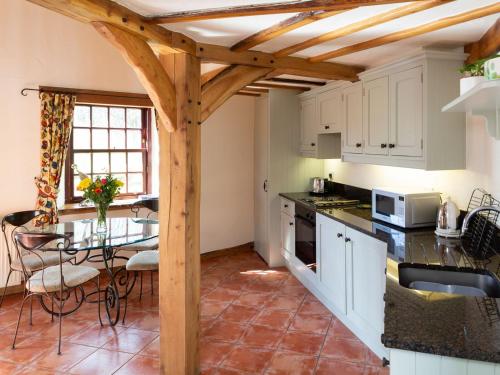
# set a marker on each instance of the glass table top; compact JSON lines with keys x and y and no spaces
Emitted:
{"x":121,"y":231}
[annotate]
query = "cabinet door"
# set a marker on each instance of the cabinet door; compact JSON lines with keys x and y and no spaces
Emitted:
{"x":332,"y":260}
{"x":308,"y":126}
{"x":406,"y":122}
{"x":352,"y":118}
{"x":329,"y":111}
{"x":376,"y":116}
{"x":288,"y":233}
{"x":366,"y":264}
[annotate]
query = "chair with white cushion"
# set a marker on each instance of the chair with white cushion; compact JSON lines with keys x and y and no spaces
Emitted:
{"x":143,"y":261}
{"x":56,"y":281}
{"x":32,"y":263}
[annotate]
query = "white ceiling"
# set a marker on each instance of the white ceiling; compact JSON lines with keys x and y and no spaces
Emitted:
{"x":231,"y":30}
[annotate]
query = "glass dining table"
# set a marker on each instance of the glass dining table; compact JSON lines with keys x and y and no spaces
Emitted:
{"x":108,"y":247}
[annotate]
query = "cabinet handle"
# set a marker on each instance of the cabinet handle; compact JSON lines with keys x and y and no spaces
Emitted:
{"x":327,"y":127}
{"x":291,"y":224}
{"x":358,"y":145}
{"x":383,"y":145}
{"x":264,"y":186}
{"x":340,"y":235}
{"x":286,"y":205}
{"x":347,"y":239}
{"x":313,"y":144}
{"x":392,"y":145}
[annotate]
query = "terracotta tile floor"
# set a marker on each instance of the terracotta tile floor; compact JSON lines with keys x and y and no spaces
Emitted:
{"x":255,"y":320}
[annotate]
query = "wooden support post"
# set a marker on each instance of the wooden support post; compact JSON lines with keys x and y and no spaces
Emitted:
{"x":179,"y":218}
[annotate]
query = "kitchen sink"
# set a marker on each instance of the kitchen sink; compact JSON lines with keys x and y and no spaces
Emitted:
{"x":454,"y":280}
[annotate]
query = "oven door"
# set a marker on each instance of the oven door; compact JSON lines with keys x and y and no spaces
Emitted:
{"x":305,"y":242}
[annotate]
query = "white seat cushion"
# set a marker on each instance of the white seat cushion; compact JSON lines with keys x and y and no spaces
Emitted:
{"x":144,"y":261}
{"x":73,"y":276}
{"x":33,"y":263}
{"x":151,"y":244}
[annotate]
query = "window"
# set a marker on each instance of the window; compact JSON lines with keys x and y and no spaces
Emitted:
{"x":109,"y":139}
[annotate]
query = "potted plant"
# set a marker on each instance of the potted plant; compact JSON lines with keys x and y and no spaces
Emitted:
{"x":102,"y":191}
{"x":474,"y":74}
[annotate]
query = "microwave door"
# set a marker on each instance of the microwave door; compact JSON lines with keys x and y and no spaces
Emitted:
{"x":385,"y":205}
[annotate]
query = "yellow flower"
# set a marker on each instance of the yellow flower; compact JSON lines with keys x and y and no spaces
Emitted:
{"x":119,"y":183}
{"x":84,"y":184}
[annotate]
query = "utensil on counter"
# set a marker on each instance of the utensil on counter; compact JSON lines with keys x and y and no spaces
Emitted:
{"x":447,"y":219}
{"x":317,"y":185}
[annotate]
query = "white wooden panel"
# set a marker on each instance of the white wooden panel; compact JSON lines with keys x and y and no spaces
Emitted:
{"x":329,"y":111}
{"x":497,"y":369}
{"x":402,"y":362}
{"x":376,"y":116}
{"x":287,"y":207}
{"x":453,"y":366}
{"x":406,"y":122}
{"x":427,"y":364}
{"x":352,"y":118}
{"x":308,"y":125}
{"x":288,"y":233}
{"x":480,"y":368}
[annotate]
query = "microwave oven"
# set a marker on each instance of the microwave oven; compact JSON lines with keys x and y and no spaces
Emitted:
{"x":405,"y":208}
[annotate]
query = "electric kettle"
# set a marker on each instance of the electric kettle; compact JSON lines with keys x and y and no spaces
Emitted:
{"x":447,"y":219}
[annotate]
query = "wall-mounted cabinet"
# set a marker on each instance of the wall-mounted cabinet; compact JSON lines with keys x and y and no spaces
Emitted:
{"x":352,"y":119}
{"x":329,"y":111}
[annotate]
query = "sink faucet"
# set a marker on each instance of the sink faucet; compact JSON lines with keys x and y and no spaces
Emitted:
{"x":469,"y":216}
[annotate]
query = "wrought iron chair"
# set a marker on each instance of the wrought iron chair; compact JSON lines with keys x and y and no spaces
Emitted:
{"x":55,"y":282}
{"x":32,"y":263}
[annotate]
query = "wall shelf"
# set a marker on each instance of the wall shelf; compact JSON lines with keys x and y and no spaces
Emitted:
{"x":482,"y":100}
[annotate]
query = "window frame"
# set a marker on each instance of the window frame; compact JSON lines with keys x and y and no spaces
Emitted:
{"x":146,"y":118}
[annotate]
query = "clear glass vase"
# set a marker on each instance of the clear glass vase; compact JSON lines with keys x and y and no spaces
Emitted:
{"x":102,"y":210}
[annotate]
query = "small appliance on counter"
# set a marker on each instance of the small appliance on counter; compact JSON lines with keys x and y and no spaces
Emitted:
{"x":320,"y":186}
{"x":447,"y":220}
{"x":406,"y":208}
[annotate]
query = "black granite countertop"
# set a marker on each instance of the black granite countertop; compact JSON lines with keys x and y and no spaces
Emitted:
{"x":429,"y":322}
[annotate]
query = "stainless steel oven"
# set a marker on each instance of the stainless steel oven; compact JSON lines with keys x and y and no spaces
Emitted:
{"x":305,"y":236}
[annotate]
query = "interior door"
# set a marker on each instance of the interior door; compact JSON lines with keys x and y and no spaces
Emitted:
{"x":261,"y":176}
{"x":376,"y":116}
{"x":352,"y":115}
{"x":406,"y":122}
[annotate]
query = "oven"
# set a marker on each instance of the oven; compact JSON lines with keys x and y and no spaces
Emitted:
{"x":305,"y":236}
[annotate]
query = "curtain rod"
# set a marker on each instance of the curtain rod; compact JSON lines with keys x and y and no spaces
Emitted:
{"x":83,"y":92}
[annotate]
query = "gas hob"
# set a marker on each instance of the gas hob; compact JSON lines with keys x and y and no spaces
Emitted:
{"x":330,"y":202}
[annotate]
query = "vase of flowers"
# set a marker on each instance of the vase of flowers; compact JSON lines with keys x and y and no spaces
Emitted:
{"x":102,"y":191}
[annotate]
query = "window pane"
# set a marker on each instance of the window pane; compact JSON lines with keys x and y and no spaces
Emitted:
{"x":134,"y":139}
{"x":100,"y":164}
{"x":81,"y":139}
{"x":122,"y":178}
{"x":118,"y":162}
{"x":82,"y":161}
{"x":117,"y":139}
{"x":99,"y":139}
{"x":76,"y":181}
{"x":100,"y":117}
{"x":117,"y":117}
{"x":135,"y":182}
{"x":81,"y":116}
{"x":134,"y":118}
{"x":135,"y":162}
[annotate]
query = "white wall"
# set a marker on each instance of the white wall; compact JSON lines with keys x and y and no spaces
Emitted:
{"x":483,"y":170}
{"x":227,"y":175}
{"x":40,"y":47}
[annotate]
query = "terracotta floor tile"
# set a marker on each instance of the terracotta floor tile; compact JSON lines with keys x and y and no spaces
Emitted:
{"x":311,"y":323}
{"x":278,"y":319}
{"x":262,"y":287}
{"x":304,"y":343}
{"x":291,"y":303}
{"x":96,"y":335}
{"x":252,"y":299}
{"x":212,"y":353}
{"x":240,"y":314}
{"x":248,"y":359}
{"x":153,"y":349}
{"x":71,"y":354}
{"x":24,"y":353}
{"x":212,"y":308}
{"x":292,"y":290}
{"x":314,"y":308}
{"x":68,"y":328}
{"x":338,"y":329}
{"x":140,"y":365}
{"x":222,"y":295}
{"x":101,"y":362}
{"x":37,"y":371}
{"x":344,"y":349}
{"x":291,"y":364}
{"x":334,"y":367}
{"x":376,"y":370}
{"x":148,"y":322}
{"x":8,"y":367}
{"x":372,"y":359}
{"x":131,"y":341}
{"x":225,"y":331}
{"x":262,"y":337}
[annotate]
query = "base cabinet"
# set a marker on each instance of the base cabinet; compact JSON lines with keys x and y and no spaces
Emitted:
{"x":287,"y":235}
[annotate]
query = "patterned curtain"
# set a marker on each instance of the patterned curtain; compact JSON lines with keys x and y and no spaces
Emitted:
{"x":56,"y":124}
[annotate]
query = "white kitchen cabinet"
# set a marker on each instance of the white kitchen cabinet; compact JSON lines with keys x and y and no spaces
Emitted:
{"x":308,"y":126}
{"x":287,"y":234}
{"x":352,"y":119}
{"x":329,"y":106}
{"x":406,"y":129}
{"x":366,"y":263}
{"x":332,"y":260}
{"x":376,"y":116}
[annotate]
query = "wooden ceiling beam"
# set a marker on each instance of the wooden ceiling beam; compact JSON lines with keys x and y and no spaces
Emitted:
{"x":161,"y":39}
{"x":205,"y":77}
{"x":287,"y":65}
{"x":296,"y":81}
{"x":285,"y":26}
{"x":244,"y":93}
{"x":219,"y":89}
{"x":361,"y":25}
{"x":411,"y":32}
{"x":486,"y":46}
{"x":269,"y":8}
{"x":255,"y":89}
{"x":273,"y":86}
{"x":148,"y":69}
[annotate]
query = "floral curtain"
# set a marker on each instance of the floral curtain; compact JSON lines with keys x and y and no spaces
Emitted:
{"x":56,"y":124}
